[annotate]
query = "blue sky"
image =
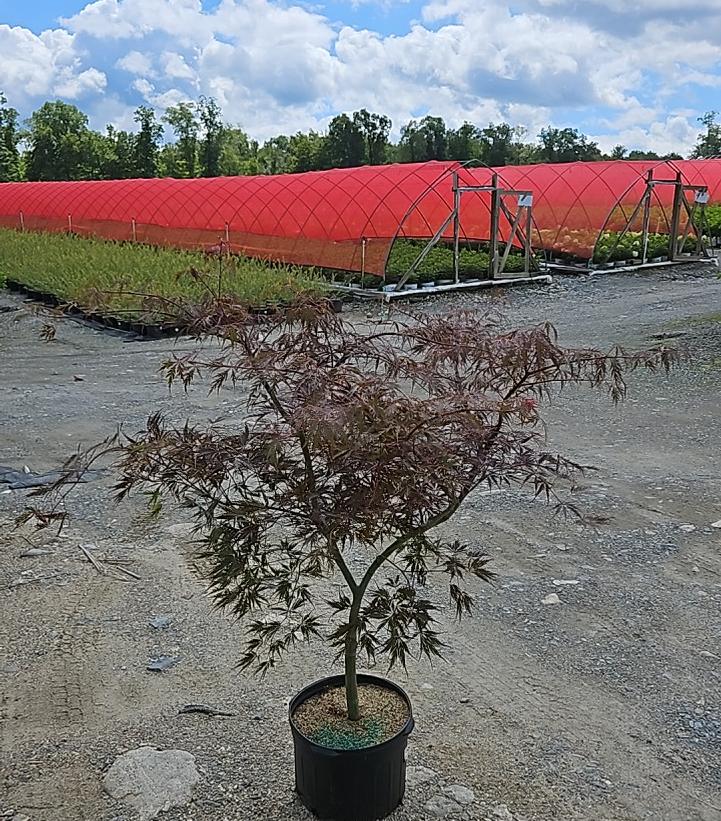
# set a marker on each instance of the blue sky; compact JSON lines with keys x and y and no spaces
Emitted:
{"x":387,"y":18}
{"x":636,"y":73}
{"x":38,"y":14}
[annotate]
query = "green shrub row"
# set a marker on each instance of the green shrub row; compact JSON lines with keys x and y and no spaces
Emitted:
{"x":610,"y":249}
{"x":474,"y":262}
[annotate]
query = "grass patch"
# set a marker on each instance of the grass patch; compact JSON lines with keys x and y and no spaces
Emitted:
{"x":74,"y":269}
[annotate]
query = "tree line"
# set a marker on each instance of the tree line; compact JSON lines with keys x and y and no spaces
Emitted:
{"x":56,"y":143}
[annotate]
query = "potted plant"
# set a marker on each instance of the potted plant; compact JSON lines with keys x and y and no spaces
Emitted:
{"x":320,"y":514}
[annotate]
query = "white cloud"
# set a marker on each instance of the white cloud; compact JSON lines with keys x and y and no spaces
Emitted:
{"x":46,"y":65}
{"x":663,"y":136}
{"x":72,"y":85}
{"x":136,"y":63}
{"x":632,"y":69}
{"x":128,"y":19}
{"x":173,"y":65}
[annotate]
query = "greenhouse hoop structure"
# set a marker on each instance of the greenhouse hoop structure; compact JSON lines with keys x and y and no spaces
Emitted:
{"x":342,"y":220}
{"x":458,"y":226}
{"x":314,"y":218}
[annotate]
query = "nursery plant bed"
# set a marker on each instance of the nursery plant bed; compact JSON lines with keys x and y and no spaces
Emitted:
{"x":109,"y":323}
{"x":144,"y":330}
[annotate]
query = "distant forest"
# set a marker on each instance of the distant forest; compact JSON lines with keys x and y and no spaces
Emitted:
{"x":56,"y":143}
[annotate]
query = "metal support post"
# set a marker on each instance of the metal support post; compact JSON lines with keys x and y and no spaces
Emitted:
{"x":456,"y":229}
{"x":495,"y":207}
{"x":363,"y":260}
{"x":678,"y":193}
{"x":647,"y":214}
{"x":527,"y":243}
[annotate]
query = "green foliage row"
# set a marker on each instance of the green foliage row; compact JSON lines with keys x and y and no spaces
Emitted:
{"x":75,"y":269}
{"x":629,"y":247}
{"x":474,"y":262}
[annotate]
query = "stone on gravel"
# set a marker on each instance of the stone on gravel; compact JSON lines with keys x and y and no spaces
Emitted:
{"x":419,"y":775}
{"x":565,"y":582}
{"x":460,"y":794}
{"x":716,"y":524}
{"x":552,"y":598}
{"x":441,"y":806}
{"x":160,"y":622}
{"x":152,"y":781}
{"x":181,"y":530}
{"x":687,"y":528}
{"x":162,"y":663}
{"x":502,"y":813}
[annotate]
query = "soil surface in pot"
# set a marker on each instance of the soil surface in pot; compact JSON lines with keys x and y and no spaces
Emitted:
{"x":323,"y":719}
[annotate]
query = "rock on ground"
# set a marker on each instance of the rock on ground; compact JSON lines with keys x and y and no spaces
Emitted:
{"x":441,"y":806}
{"x":182,"y":530}
{"x":419,"y":775}
{"x":152,"y":781}
{"x":460,"y":794}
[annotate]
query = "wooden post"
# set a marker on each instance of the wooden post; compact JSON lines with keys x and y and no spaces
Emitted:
{"x":135,"y":233}
{"x":22,"y":221}
{"x":70,"y":224}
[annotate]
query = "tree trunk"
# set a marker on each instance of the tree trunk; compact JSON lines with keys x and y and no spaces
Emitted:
{"x":351,"y":652}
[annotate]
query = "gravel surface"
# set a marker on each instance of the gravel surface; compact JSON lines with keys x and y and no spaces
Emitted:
{"x":587,"y":686}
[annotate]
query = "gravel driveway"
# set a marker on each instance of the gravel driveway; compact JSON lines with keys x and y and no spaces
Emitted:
{"x":603,"y":706}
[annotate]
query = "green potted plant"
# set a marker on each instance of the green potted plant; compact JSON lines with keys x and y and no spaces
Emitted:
{"x":319,"y":514}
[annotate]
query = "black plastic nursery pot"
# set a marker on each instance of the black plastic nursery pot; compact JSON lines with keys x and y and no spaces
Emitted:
{"x":350,"y":785}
